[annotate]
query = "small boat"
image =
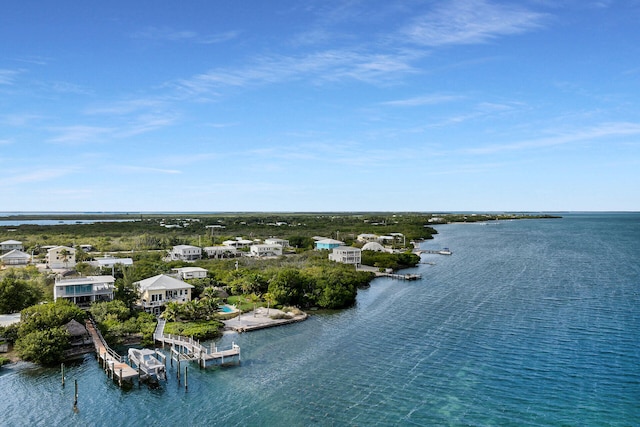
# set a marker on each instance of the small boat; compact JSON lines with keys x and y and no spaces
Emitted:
{"x":445,"y":251}
{"x":149,"y":364}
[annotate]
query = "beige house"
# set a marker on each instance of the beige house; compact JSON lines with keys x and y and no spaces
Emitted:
{"x":61,"y":257}
{"x":158,"y":290}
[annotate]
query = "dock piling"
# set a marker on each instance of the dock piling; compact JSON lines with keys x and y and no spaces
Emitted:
{"x":62,"y":372}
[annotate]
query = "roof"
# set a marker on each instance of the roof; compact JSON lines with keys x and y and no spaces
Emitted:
{"x":180,"y":247}
{"x":15,"y":253}
{"x":75,"y":328}
{"x":189,"y":269}
{"x":330,"y":242}
{"x":346,"y":249}
{"x":110,"y":261}
{"x":61,"y":247}
{"x":10,"y":242}
{"x":373,"y":246}
{"x":161,"y":282}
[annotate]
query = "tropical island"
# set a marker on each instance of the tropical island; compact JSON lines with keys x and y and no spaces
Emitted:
{"x":205,"y":269}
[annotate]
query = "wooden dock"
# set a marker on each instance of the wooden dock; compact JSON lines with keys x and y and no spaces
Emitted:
{"x":400,"y":276}
{"x":185,"y":348}
{"x":111,"y":361}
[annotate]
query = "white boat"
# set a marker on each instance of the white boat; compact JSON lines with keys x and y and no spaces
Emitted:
{"x":445,"y":251}
{"x":151,"y":368}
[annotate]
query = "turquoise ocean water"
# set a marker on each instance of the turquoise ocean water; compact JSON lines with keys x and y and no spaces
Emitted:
{"x":528,"y":323}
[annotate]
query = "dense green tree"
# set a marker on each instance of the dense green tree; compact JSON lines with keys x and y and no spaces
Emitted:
{"x":117,"y":309}
{"x":48,"y":316}
{"x":287,"y":286}
{"x":45,"y":347}
{"x":125,"y":289}
{"x":16,"y":293}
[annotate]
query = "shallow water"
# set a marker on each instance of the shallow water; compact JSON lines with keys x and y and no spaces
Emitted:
{"x":528,"y":323}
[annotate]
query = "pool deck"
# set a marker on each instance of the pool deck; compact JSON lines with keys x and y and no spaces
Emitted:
{"x":259,"y":319}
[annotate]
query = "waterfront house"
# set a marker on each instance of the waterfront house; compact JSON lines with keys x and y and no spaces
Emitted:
{"x":265,"y":250}
{"x":346,"y":255}
{"x":185,"y":273}
{"x":82,"y":291}
{"x":10,"y":245}
{"x":61,"y":257}
{"x":328,"y":244}
{"x":15,"y":258}
{"x":185,"y":253}
{"x":367,"y":237}
{"x":220,"y":251}
{"x":158,"y":290}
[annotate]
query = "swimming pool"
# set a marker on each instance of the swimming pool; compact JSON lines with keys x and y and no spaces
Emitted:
{"x":226,"y":309}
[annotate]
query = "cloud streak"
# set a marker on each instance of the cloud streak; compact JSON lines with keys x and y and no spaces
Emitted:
{"x":470,"y":22}
{"x":605,"y":130}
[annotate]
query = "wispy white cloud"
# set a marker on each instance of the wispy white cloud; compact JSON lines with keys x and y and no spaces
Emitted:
{"x":7,"y":77}
{"x":6,"y":141}
{"x":126,"y":106}
{"x":38,"y":175}
{"x":145,"y":123}
{"x":604,"y":130}
{"x":328,"y":65}
{"x":79,"y":134}
{"x":423,"y":100}
{"x":19,"y":120}
{"x":470,"y":22}
{"x":145,"y":169}
{"x":172,"y":35}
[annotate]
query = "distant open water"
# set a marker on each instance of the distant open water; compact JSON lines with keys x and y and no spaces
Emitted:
{"x":528,"y":323}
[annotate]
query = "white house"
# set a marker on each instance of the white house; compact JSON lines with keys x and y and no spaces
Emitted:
{"x":158,"y":290}
{"x":110,"y":262}
{"x":185,"y":253}
{"x":265,"y":250}
{"x":238,"y":243}
{"x":61,"y":257}
{"x":15,"y":258}
{"x":190,"y":272}
{"x":273,"y":241}
{"x":346,"y":255}
{"x":221,"y":251}
{"x":85,"y":290}
{"x":10,"y":245}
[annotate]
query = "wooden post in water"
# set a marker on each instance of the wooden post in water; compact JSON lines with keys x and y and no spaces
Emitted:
{"x":186,"y":378}
{"x":120,"y":378}
{"x":178,"y":372}
{"x":75,"y":398}
{"x":62,"y":372}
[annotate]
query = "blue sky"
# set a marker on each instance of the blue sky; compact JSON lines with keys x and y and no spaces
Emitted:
{"x":325,"y":105}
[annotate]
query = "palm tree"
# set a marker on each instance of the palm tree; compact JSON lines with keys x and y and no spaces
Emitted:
{"x":171,"y":311}
{"x":268,"y":297}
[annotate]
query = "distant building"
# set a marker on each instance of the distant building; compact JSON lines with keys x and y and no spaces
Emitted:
{"x":346,"y":255}
{"x":158,"y":290}
{"x":15,"y":258}
{"x":85,"y":290}
{"x":328,"y":244}
{"x":375,"y":247}
{"x":367,"y":237}
{"x":10,"y":245}
{"x":111,"y":262}
{"x":238,"y":243}
{"x":60,"y":257}
{"x":265,"y":250}
{"x":273,"y":241}
{"x":185,"y":273}
{"x":185,"y":253}
{"x":221,"y":251}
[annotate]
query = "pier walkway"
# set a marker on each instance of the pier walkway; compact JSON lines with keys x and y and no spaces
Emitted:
{"x":112,"y":362}
{"x":184,"y":348}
